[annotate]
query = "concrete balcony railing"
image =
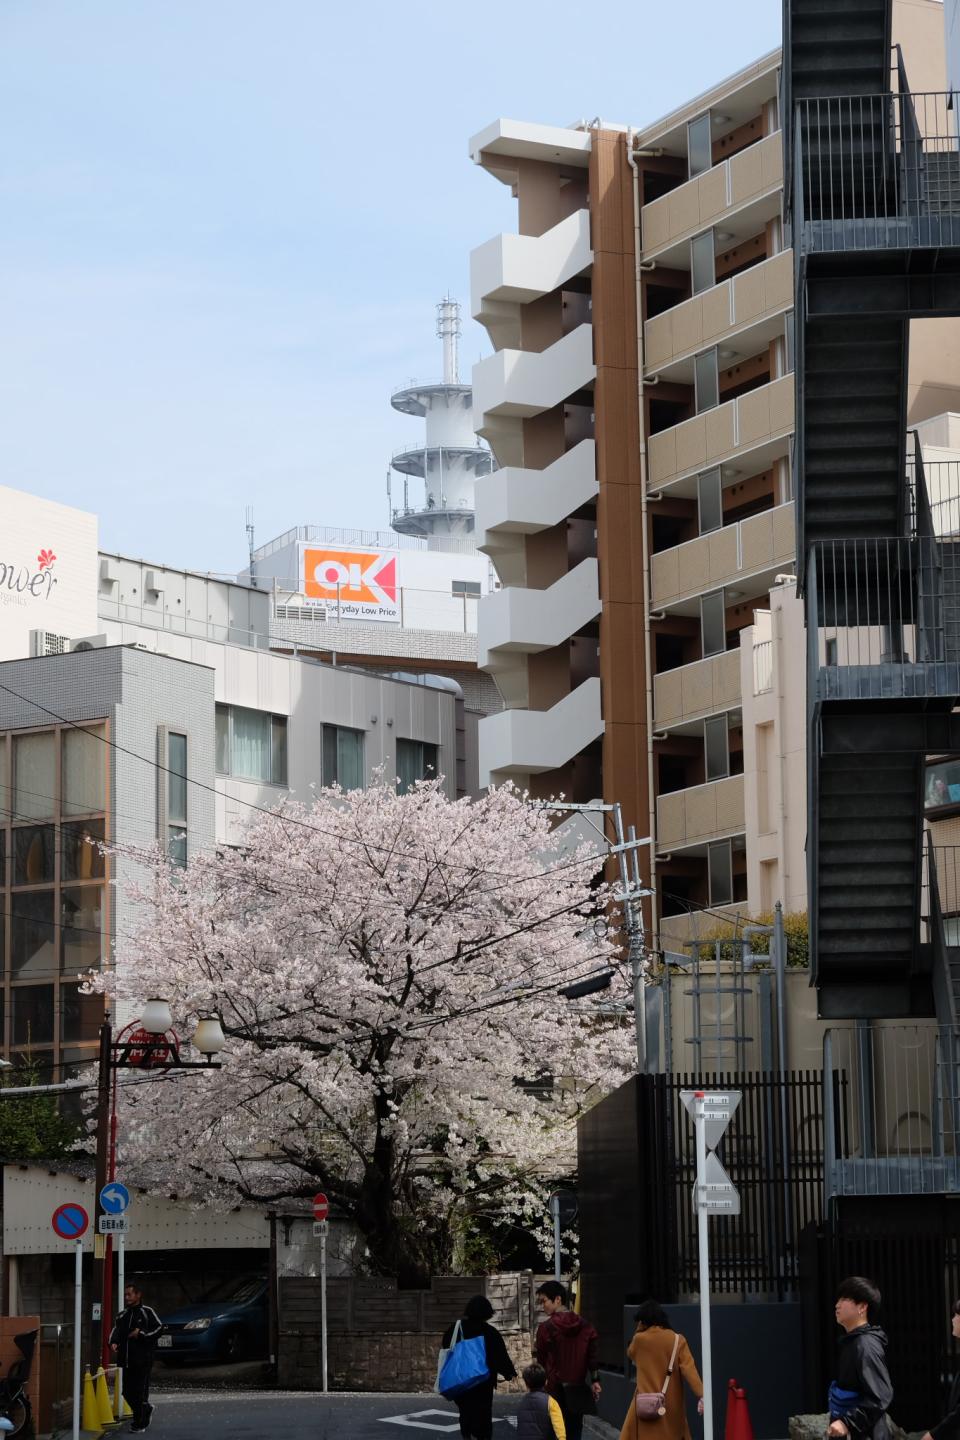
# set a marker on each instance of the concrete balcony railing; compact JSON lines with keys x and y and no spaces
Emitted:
{"x":702,"y":813}
{"x":521,"y":383}
{"x":762,"y":415}
{"x":701,"y":688}
{"x":715,"y":315}
{"x":703,"y":201}
{"x":515,"y":501}
{"x":528,"y":742}
{"x":522,"y":621}
{"x":751,"y":546}
{"x":515,"y":269}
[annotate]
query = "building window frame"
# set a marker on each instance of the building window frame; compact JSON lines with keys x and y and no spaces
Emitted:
{"x":713,"y":623}
{"x":706,"y":380}
{"x":274,"y":742}
{"x":703,"y":262}
{"x":720,"y":872}
{"x":716,"y":747}
{"x":699,"y":145}
{"x":419,"y":763}
{"x":338,"y":767}
{"x":710,"y":500}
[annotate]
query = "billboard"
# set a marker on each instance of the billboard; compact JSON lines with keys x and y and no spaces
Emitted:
{"x":355,"y":584}
{"x":48,"y":571}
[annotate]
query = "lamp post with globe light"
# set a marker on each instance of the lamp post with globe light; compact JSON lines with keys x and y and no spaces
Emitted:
{"x":149,"y":1043}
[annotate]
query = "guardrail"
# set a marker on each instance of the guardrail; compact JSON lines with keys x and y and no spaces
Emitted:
{"x":877,"y":172}
{"x":762,"y":667}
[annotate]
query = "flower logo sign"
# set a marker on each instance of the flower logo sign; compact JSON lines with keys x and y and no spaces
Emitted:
{"x":45,"y":559}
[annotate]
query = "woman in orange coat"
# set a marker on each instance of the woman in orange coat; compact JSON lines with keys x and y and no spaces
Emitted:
{"x":650,"y":1350}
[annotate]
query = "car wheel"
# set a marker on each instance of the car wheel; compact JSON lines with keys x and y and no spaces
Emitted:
{"x":232,"y":1347}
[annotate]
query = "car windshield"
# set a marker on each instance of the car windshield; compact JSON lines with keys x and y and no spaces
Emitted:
{"x":233,"y":1291}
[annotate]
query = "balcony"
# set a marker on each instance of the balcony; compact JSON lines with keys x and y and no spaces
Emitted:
{"x":710,"y":318}
{"x":511,"y":270}
{"x":522,"y":621}
{"x":760,"y":544}
{"x":707,"y":198}
{"x":761,"y":420}
{"x":521,"y":383}
{"x":701,"y":688}
{"x":529,"y":742}
{"x":700,"y":814}
{"x":877,"y":172}
{"x":514,"y":502}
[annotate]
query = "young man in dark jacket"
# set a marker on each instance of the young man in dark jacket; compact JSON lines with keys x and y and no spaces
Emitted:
{"x":861,"y":1394}
{"x":132,"y":1341}
{"x":567,"y":1348}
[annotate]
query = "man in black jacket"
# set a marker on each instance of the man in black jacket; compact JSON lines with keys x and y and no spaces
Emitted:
{"x":861,"y":1395}
{"x":132,"y":1341}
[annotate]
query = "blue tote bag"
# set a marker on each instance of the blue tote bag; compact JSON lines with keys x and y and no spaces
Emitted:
{"x":465,"y":1365}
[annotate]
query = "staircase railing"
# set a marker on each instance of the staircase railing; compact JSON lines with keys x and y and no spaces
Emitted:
{"x":890,"y":1123}
{"x":799,"y":361}
{"x":877,"y":172}
{"x":813,"y":761}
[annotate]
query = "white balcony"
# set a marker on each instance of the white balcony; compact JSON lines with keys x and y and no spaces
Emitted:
{"x":524,"y":622}
{"x":520,"y":383}
{"x":511,"y":270}
{"x":528,"y":742}
{"x":515,"y":501}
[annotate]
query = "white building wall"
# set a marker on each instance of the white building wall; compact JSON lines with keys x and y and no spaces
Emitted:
{"x":57,"y":594}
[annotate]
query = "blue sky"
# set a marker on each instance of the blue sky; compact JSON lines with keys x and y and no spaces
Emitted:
{"x":226,"y":224}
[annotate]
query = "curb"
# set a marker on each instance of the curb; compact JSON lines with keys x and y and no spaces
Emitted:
{"x":599,"y":1428}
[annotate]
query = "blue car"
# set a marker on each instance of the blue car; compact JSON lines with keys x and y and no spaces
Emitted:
{"x":229,"y":1323}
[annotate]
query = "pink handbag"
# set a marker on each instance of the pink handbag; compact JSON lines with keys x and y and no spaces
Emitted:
{"x":654,"y":1407}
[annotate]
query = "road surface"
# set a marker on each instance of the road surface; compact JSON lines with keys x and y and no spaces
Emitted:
{"x":239,"y":1415}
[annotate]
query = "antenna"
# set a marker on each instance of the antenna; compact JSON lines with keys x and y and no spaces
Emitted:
{"x":389,"y":494}
{"x":253,"y":563}
{"x":448,"y":330}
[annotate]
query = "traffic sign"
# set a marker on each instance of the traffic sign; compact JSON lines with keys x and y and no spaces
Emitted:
{"x":716,"y":1193}
{"x":321,"y":1206}
{"x":114,"y":1198}
{"x":718,"y":1110}
{"x":70,"y":1221}
{"x":113,"y":1224}
{"x":320,"y":1228}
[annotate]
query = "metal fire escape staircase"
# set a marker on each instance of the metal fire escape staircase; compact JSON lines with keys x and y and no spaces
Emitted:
{"x":873,"y":197}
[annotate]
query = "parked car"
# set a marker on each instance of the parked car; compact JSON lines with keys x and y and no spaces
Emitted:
{"x":229,"y":1323}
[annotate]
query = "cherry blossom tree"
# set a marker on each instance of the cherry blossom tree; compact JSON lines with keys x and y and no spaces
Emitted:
{"x":387,"y":970}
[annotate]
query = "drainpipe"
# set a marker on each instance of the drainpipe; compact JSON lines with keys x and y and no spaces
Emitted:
{"x":639,"y":268}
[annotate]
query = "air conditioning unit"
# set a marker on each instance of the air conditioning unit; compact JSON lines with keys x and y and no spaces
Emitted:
{"x":89,"y":642}
{"x":47,"y":642}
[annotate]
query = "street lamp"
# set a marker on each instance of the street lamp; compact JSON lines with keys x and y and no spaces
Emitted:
{"x":149,"y":1043}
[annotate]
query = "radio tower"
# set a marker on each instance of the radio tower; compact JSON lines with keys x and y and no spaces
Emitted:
{"x":452,"y":457}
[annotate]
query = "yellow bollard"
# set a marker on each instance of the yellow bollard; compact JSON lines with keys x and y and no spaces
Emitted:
{"x":121,"y":1409}
{"x":90,"y":1414}
{"x":104,"y":1408}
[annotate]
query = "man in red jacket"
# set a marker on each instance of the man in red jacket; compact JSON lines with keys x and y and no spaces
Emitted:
{"x":567,"y":1348}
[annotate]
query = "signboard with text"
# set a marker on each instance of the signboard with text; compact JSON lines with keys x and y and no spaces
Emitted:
{"x":352,"y":584}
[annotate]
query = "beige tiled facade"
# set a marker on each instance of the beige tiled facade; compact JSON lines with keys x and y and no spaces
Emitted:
{"x":721,"y":434}
{"x":712,"y":196}
{"x":711,"y":317}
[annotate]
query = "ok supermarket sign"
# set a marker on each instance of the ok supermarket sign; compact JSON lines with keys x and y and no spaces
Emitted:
{"x":354,"y":584}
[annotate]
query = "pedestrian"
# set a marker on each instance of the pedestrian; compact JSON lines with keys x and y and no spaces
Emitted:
{"x":133,"y":1340}
{"x":567,"y":1348}
{"x":861,"y":1394}
{"x":539,"y":1416}
{"x":658,"y":1353}
{"x":476,"y":1404}
{"x":949,"y":1427}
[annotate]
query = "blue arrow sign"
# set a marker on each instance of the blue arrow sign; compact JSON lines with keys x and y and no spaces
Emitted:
{"x":114,"y":1198}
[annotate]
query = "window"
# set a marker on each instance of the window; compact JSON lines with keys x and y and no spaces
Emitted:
{"x":466,"y":587}
{"x":34,"y":776}
{"x":942,"y":789}
{"x":706,"y":381}
{"x":713,"y":623}
{"x":710,"y":501}
{"x":716,"y":742}
{"x":699,"y":145}
{"x":343,"y":757}
{"x":416,"y":760}
{"x":177,"y":798}
{"x":53,"y":785}
{"x":720,"y":872}
{"x":251,"y":745}
{"x":702,"y":270}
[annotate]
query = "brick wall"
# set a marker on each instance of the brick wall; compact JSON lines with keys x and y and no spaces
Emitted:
{"x":382,"y":1338}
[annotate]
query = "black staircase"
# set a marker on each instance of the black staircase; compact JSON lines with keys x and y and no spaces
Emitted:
{"x":873,"y":202}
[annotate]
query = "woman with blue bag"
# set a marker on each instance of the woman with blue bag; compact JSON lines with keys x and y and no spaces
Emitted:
{"x":860,"y":1396}
{"x":468,"y":1375}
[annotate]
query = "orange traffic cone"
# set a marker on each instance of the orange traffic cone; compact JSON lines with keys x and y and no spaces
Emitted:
{"x":738,"y":1424}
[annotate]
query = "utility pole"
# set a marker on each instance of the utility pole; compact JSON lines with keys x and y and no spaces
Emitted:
{"x":101,"y":1242}
{"x":631,"y":894}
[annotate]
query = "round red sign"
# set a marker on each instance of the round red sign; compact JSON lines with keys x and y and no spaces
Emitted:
{"x":321,"y":1207}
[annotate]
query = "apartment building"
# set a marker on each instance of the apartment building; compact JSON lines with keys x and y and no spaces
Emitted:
{"x":640,"y":403}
